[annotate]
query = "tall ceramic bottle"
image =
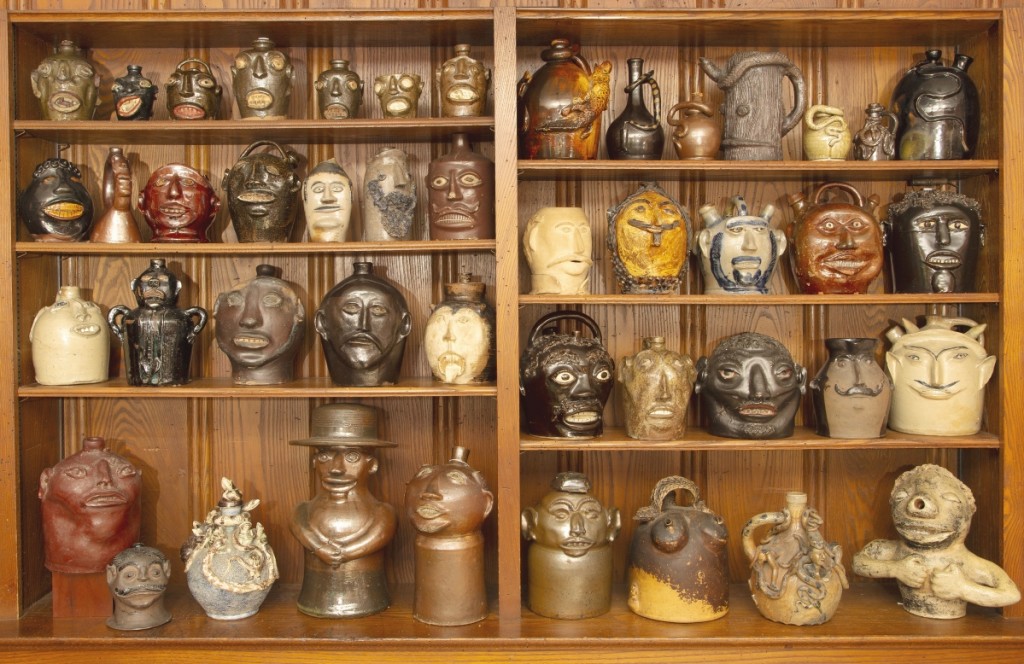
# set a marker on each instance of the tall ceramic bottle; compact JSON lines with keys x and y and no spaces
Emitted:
{"x":636,"y":133}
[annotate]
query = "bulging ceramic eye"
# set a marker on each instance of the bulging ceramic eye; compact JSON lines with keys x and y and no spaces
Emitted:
{"x":206,"y":82}
{"x":406,"y":83}
{"x":145,"y":83}
{"x":470,"y":180}
{"x":277,"y":61}
{"x":319,"y":84}
{"x":378,"y":88}
{"x":117,"y":87}
{"x":352,"y":84}
{"x":241,"y":62}
{"x":439,"y":182}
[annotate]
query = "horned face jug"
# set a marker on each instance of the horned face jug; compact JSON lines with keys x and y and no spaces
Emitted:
{"x":851,"y":393}
{"x":739,"y":252}
{"x":462,"y":84}
{"x":339,"y":91}
{"x":178,"y":204}
{"x":137,"y":578}
{"x":262,"y":77}
{"x":557,"y":245}
{"x":70,"y":341}
{"x":193,"y":92}
{"x":459,"y":337}
{"x":261,"y":189}
{"x":656,"y":387}
{"x":389,"y":197}
{"x":66,"y":84}
{"x":134,"y":95}
{"x":938,"y":108}
{"x":117,"y":223}
{"x":649,"y":235}
{"x":460,"y":193}
{"x":56,"y":207}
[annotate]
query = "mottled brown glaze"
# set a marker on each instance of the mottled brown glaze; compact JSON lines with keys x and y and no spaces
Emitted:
{"x":656,"y":386}
{"x":137,"y":578}
{"x":460,"y":193}
{"x":178,"y":204}
{"x":117,"y":223}
{"x":649,"y":235}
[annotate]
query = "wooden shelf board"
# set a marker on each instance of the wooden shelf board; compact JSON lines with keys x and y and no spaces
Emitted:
{"x":764,"y":300}
{"x":803,"y":438}
{"x":252,"y":248}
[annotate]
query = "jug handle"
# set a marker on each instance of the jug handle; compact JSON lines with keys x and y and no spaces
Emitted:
{"x":763,"y":519}
{"x":648,"y":79}
{"x":799,"y":99}
{"x":895,"y":120}
{"x":539,"y":326}
{"x":844,"y":186}
{"x":663,"y":490}
{"x":117,"y":326}
{"x":197,"y":325}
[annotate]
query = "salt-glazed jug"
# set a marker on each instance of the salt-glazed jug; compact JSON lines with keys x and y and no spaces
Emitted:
{"x":262,"y":78}
{"x":851,"y":392}
{"x":796,"y":576}
{"x":389,"y":197}
{"x":66,"y":84}
{"x":827,"y":135}
{"x":656,"y":385}
{"x":459,"y":337}
{"x":262,"y":189}
{"x":339,"y":91}
{"x":137,"y":579}
{"x":678,"y":565}
{"x":462,"y":84}
{"x":70,"y":341}
{"x":229,"y":564}
{"x":697,"y":134}
{"x":738,"y":251}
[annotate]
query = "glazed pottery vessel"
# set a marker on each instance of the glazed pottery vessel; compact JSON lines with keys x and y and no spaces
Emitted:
{"x":327,"y":201}
{"x":117,"y":223}
{"x":851,"y":392}
{"x":70,"y":341}
{"x":178,"y":204}
{"x":262,"y":77}
{"x":389,"y":197}
{"x":697,"y":134}
{"x":134,"y":95}
{"x":339,"y":91}
{"x":636,"y":133}
{"x":193,"y":92}
{"x":569,"y":560}
{"x":876,"y":141}
{"x":460,"y":194}
{"x":557,"y":245}
{"x":936,"y":574}
{"x":738,"y":252}
{"x":137,"y":578}
{"x":462,"y":85}
{"x":66,"y":84}
{"x":55,"y":206}
{"x":938,"y":108}
{"x":459,"y":337}
{"x":560,"y":105}
{"x":678,"y":560}
{"x":649,"y":236}
{"x":398,"y":94}
{"x":261,"y":189}
{"x":827,"y":135}
{"x":656,"y":386}
{"x":229,"y":565}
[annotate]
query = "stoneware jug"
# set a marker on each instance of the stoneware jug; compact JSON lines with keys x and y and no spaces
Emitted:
{"x":876,"y":141}
{"x":339,"y":91}
{"x":70,"y":341}
{"x":134,"y":95}
{"x":262,"y":78}
{"x":656,"y":386}
{"x":66,"y":84}
{"x":557,"y":245}
{"x":193,"y":92}
{"x":851,"y":393}
{"x":649,"y":238}
{"x":179,"y":204}
{"x":827,"y":135}
{"x":678,"y":560}
{"x":137,"y":578}
{"x":636,"y":133}
{"x":56,"y":206}
{"x":460,"y":193}
{"x":796,"y":576}
{"x":938,"y":108}
{"x":738,"y":252}
{"x":462,"y":84}
{"x":697,"y":134}
{"x":117,"y":223}
{"x":459,"y":337}
{"x":389,"y":197}
{"x":262,"y":189}
{"x":398,"y":94}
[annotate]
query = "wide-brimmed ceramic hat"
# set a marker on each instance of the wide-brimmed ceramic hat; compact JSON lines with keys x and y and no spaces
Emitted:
{"x":344,"y":425}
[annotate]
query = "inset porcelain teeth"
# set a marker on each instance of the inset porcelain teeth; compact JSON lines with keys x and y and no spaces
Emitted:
{"x":585,"y":417}
{"x":64,"y":211}
{"x":255,"y":197}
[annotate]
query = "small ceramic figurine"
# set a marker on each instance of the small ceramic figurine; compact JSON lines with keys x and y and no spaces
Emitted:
{"x":649,"y":235}
{"x":751,"y":387}
{"x":459,"y":337}
{"x":697,"y":134}
{"x":327,"y":201}
{"x":137,"y":578}
{"x":851,"y":393}
{"x":157,"y":336}
{"x":399,"y":94}
{"x":261,"y":189}
{"x":938,"y":108}
{"x":339,"y":92}
{"x":564,"y":379}
{"x":344,"y":528}
{"x":636,"y":133}
{"x":569,"y":561}
{"x":934,"y":238}
{"x":260,"y":327}
{"x":70,"y":341}
{"x":178,"y":204}
{"x":796,"y":577}
{"x":837,"y":246}
{"x":447,"y":504}
{"x":560,"y":106}
{"x":827,"y":135}
{"x":876,"y":141}
{"x":92,"y":509}
{"x":56,"y":207}
{"x":389,"y":197}
{"x":117,"y":223}
{"x":754,"y":115}
{"x":462,"y":85}
{"x":738,"y":253}
{"x":66,"y":84}
{"x":939,"y":376}
{"x":656,"y":387}
{"x":936,"y":574}
{"x":134,"y":95}
{"x":557,"y":245}
{"x":193,"y":93}
{"x":678,"y":560}
{"x":229,"y":565}
{"x":363,"y":323}
{"x":262,"y":78}
{"x":460,"y":194}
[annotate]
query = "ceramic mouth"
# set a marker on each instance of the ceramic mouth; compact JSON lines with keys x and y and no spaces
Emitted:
{"x":256,"y":196}
{"x":335,"y":112}
{"x":451,"y":366}
{"x":65,"y":211}
{"x":430,"y":511}
{"x":923,"y":533}
{"x":844,"y":263}
{"x":189,"y":112}
{"x":361,"y":340}
{"x":661,"y":413}
{"x":746,"y":262}
{"x":758,"y":410}
{"x":576,"y":546}
{"x":582,"y":418}
{"x":454,"y":220}
{"x":339,"y":484}
{"x":129,"y":106}
{"x":139,"y":590}
{"x":173,"y":210}
{"x":251,"y":341}
{"x":943,"y":260}
{"x":65,"y":102}
{"x":109,"y":499}
{"x":398,"y":106}
{"x":87,"y":330}
{"x":327,"y":208}
{"x":259,"y":99}
{"x":936,"y":391}
{"x":462,"y":94}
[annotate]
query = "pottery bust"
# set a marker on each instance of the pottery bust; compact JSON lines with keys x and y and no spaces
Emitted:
{"x":261,"y":77}
{"x":327,"y":201}
{"x":460,"y":193}
{"x":389,"y":197}
{"x":56,"y":207}
{"x":261,"y":189}
{"x":648,"y":236}
{"x":134,"y":95}
{"x":193,"y":92}
{"x":339,"y":91}
{"x":66,"y":84}
{"x":656,"y":387}
{"x":459,"y":337}
{"x":462,"y":84}
{"x":178,"y":204}
{"x":398,"y":94}
{"x":557,"y":245}
{"x":137,"y":578}
{"x":739,"y":252}
{"x":936,"y":574}
{"x":70,"y":341}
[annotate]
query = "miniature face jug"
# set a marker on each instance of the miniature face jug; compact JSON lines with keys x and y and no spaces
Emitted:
{"x":363,"y":323}
{"x":459,"y":338}
{"x":70,"y":341}
{"x":934,"y":240}
{"x":656,"y":387}
{"x":851,"y":393}
{"x":117,"y":223}
{"x":399,"y":94}
{"x":92,"y":509}
{"x":339,"y":92}
{"x":460,"y":193}
{"x":344,"y":528}
{"x":260,"y":326}
{"x":837,"y":247}
{"x":389,"y":197}
{"x":569,"y":562}
{"x":876,"y":141}
{"x":649,"y":235}
{"x":261,"y":188}
{"x":66,"y":84}
{"x":447,"y":504}
{"x":938,"y":108}
{"x":137,"y":578}
{"x":327,"y":201}
{"x":738,"y":253}
{"x":557,"y":244}
{"x":192,"y":92}
{"x":564,"y":379}
{"x":751,"y":387}
{"x":157,"y":337}
{"x":134,"y":95}
{"x":56,"y":207}
{"x":936,"y":574}
{"x":462,"y":84}
{"x":939,"y":376}
{"x":178,"y":204}
{"x":827,"y":135}
{"x":261,"y":78}
{"x":678,"y":566}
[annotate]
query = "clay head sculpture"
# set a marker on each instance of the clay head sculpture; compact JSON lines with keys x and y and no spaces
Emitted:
{"x":55,"y":207}
{"x":462,"y":84}
{"x":192,"y":91}
{"x":398,"y":94}
{"x":656,"y":386}
{"x":570,"y":519}
{"x":389,"y":197}
{"x":450,"y":499}
{"x":134,"y":95}
{"x":261,"y":78}
{"x":327,"y":201}
{"x":557,"y":245}
{"x":459,"y":337}
{"x":137,"y":578}
{"x":261,"y":189}
{"x":339,"y":91}
{"x":648,"y":235}
{"x":751,"y":387}
{"x":739,"y":252}
{"x":66,"y":84}
{"x":460,"y":191}
{"x":179,"y":204}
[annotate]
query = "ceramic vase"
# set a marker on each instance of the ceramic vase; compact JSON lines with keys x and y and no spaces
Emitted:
{"x":697,"y":134}
{"x":70,"y":341}
{"x":636,"y":133}
{"x":117,"y":224}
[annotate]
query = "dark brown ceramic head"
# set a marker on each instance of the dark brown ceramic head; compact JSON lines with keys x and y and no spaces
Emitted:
{"x":137,"y":578}
{"x":55,"y":207}
{"x":450,"y":499}
{"x":460,"y":189}
{"x":193,"y":92}
{"x":261,"y":189}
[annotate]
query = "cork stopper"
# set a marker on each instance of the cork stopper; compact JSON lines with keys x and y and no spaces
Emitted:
{"x":465,"y":289}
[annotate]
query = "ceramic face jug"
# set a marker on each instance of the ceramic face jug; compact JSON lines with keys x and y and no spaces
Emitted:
{"x":837,"y":247}
{"x":797,"y":577}
{"x":262,"y":78}
{"x":447,"y":504}
{"x":157,"y":336}
{"x":564,"y":380}
{"x":936,"y":574}
{"x":327,"y":201}
{"x":117,"y":223}
{"x":178,"y":204}
{"x":678,"y":560}
{"x":229,"y":565}
{"x":755,"y":120}
{"x":459,"y":337}
{"x":70,"y":341}
{"x":66,"y":84}
{"x":851,"y":393}
{"x":938,"y":109}
{"x":134,"y":95}
{"x":398,"y":94}
{"x":656,"y":387}
{"x":56,"y":207}
{"x":649,"y":235}
{"x":876,"y":141}
{"x":389,"y":197}
{"x":339,"y":91}
{"x":193,"y":92}
{"x":261,"y":188}
{"x":462,"y":85}
{"x":636,"y":133}
{"x":137,"y":578}
{"x":939,"y":376}
{"x":738,"y":253}
{"x":560,"y":105}
{"x":557,"y":244}
{"x":344,"y":528}
{"x":460,"y":193}
{"x":569,"y":562}
{"x":696,"y":135}
{"x":827,"y":136}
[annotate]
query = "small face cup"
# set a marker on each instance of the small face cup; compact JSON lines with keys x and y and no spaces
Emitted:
{"x":192,"y":92}
{"x":56,"y":207}
{"x":137,"y":578}
{"x":935,"y":245}
{"x":558,"y":245}
{"x":841,"y":246}
{"x":448,"y":500}
{"x":399,"y":94}
{"x":327,"y":199}
{"x":178,"y":203}
{"x":572,"y":522}
{"x":463,"y":84}
{"x":262,"y":79}
{"x":343,"y":469}
{"x":457,"y":341}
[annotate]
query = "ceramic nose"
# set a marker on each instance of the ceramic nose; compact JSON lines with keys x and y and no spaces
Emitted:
{"x":448,"y":335}
{"x":259,"y":68}
{"x":453,"y":191}
{"x":749,"y":243}
{"x":758,"y":383}
{"x":328,"y":196}
{"x":336,"y":87}
{"x":103,"y":474}
{"x":251,"y":316}
{"x":576,"y":525}
{"x":63,"y":72}
{"x":174,"y":187}
{"x":393,"y":85}
{"x":846,"y":239}
{"x":663,"y":393}
{"x":922,"y":506}
{"x":582,"y":387}
{"x":942,"y":233}
{"x":186,"y":89}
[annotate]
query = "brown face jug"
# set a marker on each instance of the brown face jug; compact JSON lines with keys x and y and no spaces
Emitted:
{"x":697,"y":134}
